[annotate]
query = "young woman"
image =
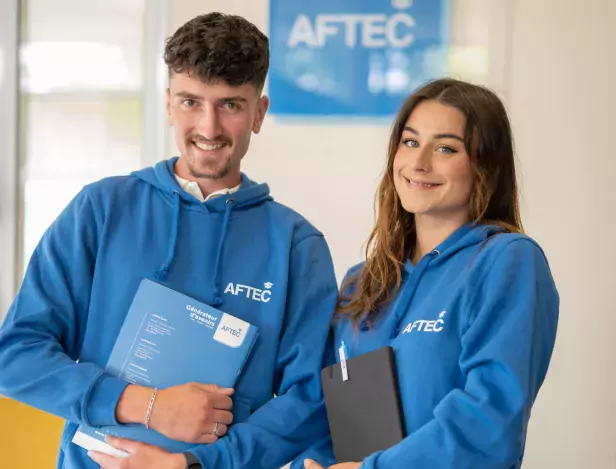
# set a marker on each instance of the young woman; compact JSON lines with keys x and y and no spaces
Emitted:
{"x":450,"y":281}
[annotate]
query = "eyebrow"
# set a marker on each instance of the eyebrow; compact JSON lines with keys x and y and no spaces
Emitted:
{"x":194,"y":97}
{"x":454,"y":136}
{"x":184,"y":94}
{"x":234,"y":98}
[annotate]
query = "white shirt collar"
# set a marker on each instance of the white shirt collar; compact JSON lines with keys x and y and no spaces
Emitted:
{"x":193,"y":189}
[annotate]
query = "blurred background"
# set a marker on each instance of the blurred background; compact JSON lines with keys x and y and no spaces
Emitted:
{"x":82,"y":97}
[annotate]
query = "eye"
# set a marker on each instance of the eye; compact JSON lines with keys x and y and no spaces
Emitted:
{"x":231,"y":106}
{"x":410,"y":142}
{"x":189,"y":102}
{"x":447,"y":150}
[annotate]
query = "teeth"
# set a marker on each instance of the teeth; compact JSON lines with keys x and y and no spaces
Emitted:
{"x":420,"y":184}
{"x":206,"y":147}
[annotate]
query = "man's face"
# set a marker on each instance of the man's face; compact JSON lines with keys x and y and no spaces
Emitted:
{"x":213,"y":123}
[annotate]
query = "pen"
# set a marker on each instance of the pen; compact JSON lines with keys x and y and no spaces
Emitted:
{"x":343,"y":351}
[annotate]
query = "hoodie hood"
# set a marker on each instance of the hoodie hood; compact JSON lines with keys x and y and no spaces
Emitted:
{"x":162,"y":176}
{"x":469,"y":234}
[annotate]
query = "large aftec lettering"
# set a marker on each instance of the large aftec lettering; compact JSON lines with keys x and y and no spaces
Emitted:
{"x":367,"y":30}
{"x":353,"y":57}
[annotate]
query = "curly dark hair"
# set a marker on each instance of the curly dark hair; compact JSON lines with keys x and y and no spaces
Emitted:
{"x":219,"y":47}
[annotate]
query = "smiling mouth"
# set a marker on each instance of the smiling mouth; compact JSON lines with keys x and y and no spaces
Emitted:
{"x":420,"y":184}
{"x":208,"y":147}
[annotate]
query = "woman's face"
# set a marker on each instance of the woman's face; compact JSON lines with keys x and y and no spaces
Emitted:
{"x":432,"y":170}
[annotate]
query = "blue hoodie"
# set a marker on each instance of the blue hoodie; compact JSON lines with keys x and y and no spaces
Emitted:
{"x":83,"y":275}
{"x":473,"y":327}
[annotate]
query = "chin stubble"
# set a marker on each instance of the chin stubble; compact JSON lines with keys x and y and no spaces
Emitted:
{"x":217,"y":175}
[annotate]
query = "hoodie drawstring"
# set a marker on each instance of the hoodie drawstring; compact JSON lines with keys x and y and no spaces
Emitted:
{"x":216,"y":298}
{"x":161,"y":273}
{"x":405,"y":295}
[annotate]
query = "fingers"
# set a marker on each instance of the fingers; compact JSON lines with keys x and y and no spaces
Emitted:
{"x":222,"y":416}
{"x":310,"y":464}
{"x":103,"y":460}
{"x":220,"y":401}
{"x":209,"y":438}
{"x":187,"y":412}
{"x":205,"y":439}
{"x":222,"y":429}
{"x":214,"y":388}
{"x":123,"y":444}
{"x":226,"y":391}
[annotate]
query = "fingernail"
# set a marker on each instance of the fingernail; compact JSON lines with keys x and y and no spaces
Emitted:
{"x":308,"y":463}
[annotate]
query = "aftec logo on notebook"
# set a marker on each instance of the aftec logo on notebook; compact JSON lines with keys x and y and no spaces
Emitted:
{"x":231,"y":331}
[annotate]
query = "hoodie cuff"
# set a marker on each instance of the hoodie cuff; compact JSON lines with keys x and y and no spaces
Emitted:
{"x":102,"y":401}
{"x":211,"y":456}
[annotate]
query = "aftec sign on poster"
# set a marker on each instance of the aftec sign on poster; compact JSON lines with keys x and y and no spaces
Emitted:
{"x":353,"y":57}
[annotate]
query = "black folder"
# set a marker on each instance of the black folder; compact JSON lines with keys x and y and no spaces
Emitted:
{"x":364,"y":412}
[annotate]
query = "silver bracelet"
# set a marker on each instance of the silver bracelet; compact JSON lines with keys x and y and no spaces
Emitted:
{"x":150,"y":407}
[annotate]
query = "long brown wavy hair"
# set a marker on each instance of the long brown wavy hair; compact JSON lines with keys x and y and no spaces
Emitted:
{"x":494,"y":196}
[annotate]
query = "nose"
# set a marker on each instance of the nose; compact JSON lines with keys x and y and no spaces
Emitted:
{"x":421,"y":160}
{"x":209,"y":123}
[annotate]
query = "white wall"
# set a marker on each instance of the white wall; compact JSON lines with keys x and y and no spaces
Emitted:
{"x":553,"y":62}
{"x":562,"y":104}
{"x":8,"y":149}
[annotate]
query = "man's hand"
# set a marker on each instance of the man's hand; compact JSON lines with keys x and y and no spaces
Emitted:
{"x":188,"y":412}
{"x":310,"y":464}
{"x":142,"y":456}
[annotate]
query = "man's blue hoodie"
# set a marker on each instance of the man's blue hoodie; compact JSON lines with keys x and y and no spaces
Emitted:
{"x":242,"y":253}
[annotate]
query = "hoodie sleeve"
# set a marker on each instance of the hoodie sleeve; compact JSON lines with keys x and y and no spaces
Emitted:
{"x":41,"y":336}
{"x":322,"y":450}
{"x":506,"y":350}
{"x":289,"y":423}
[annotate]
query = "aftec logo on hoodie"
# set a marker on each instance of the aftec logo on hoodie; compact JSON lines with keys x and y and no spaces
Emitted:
{"x":423,"y":325}
{"x":252,"y":293}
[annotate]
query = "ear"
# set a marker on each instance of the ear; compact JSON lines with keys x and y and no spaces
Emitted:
{"x":262,"y":107}
{"x":169,"y":118}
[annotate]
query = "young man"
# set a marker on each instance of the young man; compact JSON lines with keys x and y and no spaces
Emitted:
{"x":199,"y":226}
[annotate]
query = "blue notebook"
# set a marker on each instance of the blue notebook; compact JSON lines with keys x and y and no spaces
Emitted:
{"x":168,"y":339}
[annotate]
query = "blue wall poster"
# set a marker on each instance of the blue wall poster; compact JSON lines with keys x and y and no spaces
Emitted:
{"x":353,"y":57}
